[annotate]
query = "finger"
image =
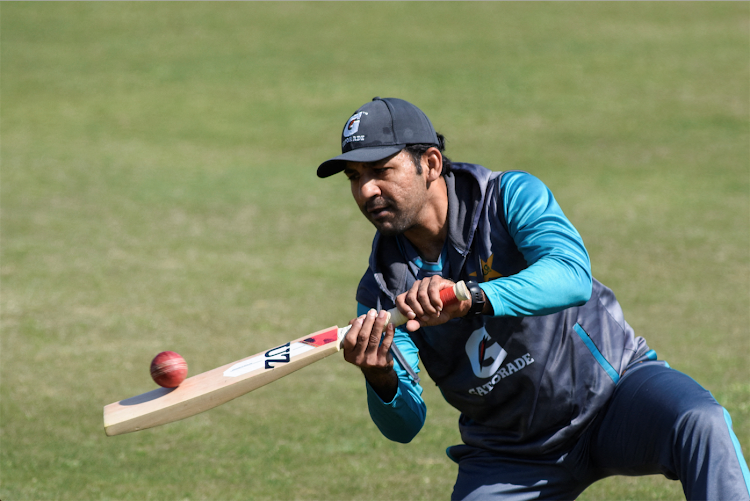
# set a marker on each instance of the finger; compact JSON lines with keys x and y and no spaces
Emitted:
{"x":359,"y":339}
{"x":366,"y":334}
{"x":426,"y":300}
{"x":350,"y":339}
{"x":412,"y":299}
{"x":433,"y":291}
{"x":429,"y":309}
{"x":385,"y":346}
{"x":353,"y":352}
{"x":413,"y":325}
{"x":403,"y":307}
{"x":376,"y":334}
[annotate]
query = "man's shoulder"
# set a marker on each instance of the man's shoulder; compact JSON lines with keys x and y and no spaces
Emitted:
{"x":477,"y":171}
{"x":474,"y":173}
{"x":496,"y":182}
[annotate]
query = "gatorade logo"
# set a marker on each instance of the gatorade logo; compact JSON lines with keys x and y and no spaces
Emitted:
{"x":352,"y":125}
{"x":485,"y":355}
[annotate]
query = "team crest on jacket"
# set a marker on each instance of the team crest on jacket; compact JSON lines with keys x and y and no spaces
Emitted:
{"x":485,"y":354}
{"x":352,"y":125}
{"x":487,"y":272}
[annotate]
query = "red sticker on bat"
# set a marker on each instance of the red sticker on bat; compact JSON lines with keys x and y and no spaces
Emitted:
{"x":326,"y":337}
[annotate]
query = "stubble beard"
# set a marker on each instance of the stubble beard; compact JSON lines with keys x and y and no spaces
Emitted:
{"x":397,"y":224}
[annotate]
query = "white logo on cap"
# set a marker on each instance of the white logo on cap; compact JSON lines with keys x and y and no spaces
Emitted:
{"x":352,"y":125}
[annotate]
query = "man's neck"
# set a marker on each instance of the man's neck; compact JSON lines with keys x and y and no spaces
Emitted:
{"x":428,"y":238}
{"x":429,"y":249}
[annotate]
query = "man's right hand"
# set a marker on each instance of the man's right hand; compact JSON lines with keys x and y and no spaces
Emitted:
{"x":363,"y":347}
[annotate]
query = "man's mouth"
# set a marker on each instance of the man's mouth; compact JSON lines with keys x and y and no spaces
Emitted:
{"x":378,"y":209}
{"x":377,"y":213}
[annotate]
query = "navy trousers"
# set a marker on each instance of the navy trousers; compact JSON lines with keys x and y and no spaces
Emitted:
{"x":658,"y":421}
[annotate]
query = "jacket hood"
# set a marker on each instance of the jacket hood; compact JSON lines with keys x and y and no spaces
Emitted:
{"x":467,"y":186}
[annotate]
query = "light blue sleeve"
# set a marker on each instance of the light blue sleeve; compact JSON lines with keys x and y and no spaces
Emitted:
{"x":400,"y":419}
{"x":559,"y":271}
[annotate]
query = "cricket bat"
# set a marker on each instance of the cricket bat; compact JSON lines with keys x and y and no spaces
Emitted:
{"x":215,"y":387}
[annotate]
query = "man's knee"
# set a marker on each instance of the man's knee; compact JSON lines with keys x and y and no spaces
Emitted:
{"x":699,"y":426}
{"x":708,"y":457}
{"x":701,"y":419}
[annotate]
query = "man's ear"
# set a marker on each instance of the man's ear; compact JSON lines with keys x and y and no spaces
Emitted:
{"x":432,"y":163}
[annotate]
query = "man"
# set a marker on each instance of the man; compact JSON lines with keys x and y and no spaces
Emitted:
{"x":555,"y":390}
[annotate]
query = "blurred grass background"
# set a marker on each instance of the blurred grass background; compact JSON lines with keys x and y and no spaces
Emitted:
{"x":158,"y":191}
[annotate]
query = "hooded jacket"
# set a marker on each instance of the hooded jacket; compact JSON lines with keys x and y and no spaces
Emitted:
{"x":530,"y":378}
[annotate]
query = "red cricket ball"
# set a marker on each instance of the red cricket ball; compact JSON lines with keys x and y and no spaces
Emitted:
{"x":168,"y":369}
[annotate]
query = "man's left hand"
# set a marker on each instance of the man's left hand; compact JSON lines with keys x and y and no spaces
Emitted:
{"x":422,"y":305}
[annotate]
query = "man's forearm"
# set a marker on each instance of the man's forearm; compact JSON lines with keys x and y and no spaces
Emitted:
{"x":383,"y":381}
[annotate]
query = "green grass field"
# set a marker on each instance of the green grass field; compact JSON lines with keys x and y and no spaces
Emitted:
{"x":158,"y":191}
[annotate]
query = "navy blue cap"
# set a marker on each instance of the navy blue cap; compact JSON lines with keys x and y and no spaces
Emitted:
{"x":379,"y":129}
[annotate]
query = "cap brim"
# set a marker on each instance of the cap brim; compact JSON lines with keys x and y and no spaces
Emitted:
{"x":371,"y":154}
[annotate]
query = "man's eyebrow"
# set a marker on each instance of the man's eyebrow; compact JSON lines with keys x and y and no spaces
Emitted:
{"x":379,"y":163}
{"x":366,"y":165}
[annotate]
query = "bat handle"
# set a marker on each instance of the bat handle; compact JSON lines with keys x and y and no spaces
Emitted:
{"x":449,"y":296}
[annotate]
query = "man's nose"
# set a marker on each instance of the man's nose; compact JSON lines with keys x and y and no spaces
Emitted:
{"x":368,"y":187}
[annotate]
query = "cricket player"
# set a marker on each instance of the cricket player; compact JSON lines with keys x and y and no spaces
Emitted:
{"x":554,"y":388}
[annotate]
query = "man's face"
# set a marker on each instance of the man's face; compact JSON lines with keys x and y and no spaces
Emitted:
{"x":389,"y":193}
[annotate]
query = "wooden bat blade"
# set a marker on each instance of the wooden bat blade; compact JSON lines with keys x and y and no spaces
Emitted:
{"x":218,"y":386}
{"x":207,"y":390}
